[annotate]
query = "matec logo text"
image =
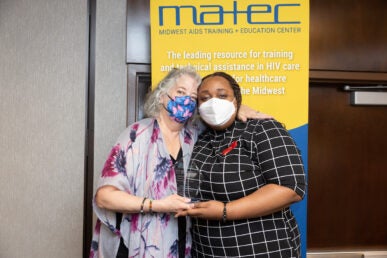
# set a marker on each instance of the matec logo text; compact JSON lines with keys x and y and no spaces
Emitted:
{"x":253,"y":13}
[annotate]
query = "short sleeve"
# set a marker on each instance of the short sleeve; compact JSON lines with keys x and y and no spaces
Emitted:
{"x":279,"y":156}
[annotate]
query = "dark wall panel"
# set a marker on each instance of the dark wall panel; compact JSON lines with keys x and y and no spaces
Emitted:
{"x":348,"y":35}
{"x":347,"y":172}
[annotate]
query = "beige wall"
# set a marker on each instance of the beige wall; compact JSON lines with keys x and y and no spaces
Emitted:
{"x":110,"y":78}
{"x":43,"y":76}
{"x":43,"y":80}
{"x":43,"y":86}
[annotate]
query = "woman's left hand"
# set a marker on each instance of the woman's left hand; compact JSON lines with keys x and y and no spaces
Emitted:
{"x":246,"y":112}
{"x":211,"y":210}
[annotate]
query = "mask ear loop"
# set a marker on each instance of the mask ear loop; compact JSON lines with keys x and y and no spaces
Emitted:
{"x":236,"y":105}
{"x":161,"y":102}
{"x":167,"y":104}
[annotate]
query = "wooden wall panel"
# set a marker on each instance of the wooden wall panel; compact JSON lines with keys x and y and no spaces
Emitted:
{"x":348,"y":35}
{"x":138,"y":50}
{"x":347,"y":172}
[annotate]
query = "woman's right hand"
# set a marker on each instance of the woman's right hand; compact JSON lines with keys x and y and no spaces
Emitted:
{"x":172,"y":203}
{"x":111,"y":198}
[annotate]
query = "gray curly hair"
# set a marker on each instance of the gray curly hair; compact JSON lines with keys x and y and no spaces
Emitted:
{"x":152,"y":104}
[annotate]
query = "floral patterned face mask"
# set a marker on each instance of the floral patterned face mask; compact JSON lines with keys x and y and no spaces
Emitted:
{"x":181,"y":108}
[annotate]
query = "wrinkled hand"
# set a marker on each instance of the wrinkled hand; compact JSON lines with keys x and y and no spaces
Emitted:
{"x":211,"y":210}
{"x":173,"y":203}
{"x":246,"y":112}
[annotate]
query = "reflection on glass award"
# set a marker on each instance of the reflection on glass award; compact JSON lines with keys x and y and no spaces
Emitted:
{"x":192,"y":182}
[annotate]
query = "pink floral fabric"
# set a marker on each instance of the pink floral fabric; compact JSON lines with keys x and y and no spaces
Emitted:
{"x":139,"y":164}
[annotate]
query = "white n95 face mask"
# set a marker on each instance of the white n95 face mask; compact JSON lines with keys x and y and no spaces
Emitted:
{"x":216,"y":111}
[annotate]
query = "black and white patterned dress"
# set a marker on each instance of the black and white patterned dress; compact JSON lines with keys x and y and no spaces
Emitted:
{"x":264,"y":153}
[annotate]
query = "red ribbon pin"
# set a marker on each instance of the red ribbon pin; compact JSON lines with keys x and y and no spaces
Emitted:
{"x":230,"y":148}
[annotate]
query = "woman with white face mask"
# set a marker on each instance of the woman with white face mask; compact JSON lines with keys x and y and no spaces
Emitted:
{"x":249,"y":174}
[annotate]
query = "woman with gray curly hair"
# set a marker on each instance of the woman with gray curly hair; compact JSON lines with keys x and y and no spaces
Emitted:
{"x":152,"y":106}
{"x":141,"y":186}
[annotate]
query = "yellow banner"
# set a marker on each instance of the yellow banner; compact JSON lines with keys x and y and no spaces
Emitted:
{"x":264,"y":45}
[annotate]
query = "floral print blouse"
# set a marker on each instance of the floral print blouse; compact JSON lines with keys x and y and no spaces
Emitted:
{"x":140,"y":164}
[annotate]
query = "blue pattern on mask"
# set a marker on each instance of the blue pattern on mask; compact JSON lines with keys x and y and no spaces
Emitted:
{"x":181,"y":108}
